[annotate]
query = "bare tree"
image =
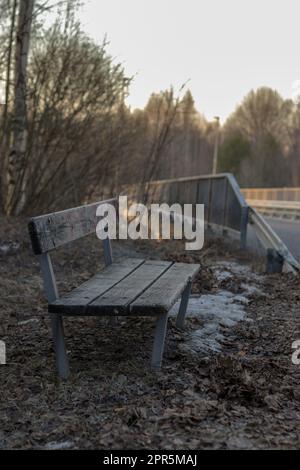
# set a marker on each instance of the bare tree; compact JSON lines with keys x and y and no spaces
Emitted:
{"x":71,"y":135}
{"x":8,"y":66}
{"x":15,"y":198}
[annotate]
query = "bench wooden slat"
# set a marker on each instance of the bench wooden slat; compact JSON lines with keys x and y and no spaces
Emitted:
{"x":162,"y":295}
{"x":76,"y":302}
{"x":117,"y":300}
{"x":51,"y":231}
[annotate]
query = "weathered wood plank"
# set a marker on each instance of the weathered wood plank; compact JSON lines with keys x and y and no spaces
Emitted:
{"x":75,"y":303}
{"x":116,"y":301}
{"x":163,"y":293}
{"x":51,"y":231}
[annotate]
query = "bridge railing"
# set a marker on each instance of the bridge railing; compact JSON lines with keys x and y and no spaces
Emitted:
{"x":225,"y":205}
{"x":272,"y":194}
{"x":279,"y":209}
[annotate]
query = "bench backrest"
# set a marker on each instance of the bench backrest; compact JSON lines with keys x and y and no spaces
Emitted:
{"x":52,"y":231}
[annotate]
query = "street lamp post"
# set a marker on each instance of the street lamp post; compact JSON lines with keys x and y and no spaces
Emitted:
{"x":216,"y":146}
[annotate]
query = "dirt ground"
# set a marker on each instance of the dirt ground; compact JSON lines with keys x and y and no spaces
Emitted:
{"x":245,"y":396}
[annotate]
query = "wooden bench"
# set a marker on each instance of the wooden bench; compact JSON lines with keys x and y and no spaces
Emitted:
{"x":130,"y":287}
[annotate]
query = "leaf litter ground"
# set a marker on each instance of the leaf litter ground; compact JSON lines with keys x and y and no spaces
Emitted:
{"x":227,"y":382}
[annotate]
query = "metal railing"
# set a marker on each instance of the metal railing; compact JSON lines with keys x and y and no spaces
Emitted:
{"x":272,"y":194}
{"x":281,"y":209}
{"x":223,"y":201}
{"x":270,"y":240}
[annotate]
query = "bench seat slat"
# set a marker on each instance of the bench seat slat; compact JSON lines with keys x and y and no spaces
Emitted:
{"x":162,"y":295}
{"x":117,"y":300}
{"x":133,"y":286}
{"x":76,"y":302}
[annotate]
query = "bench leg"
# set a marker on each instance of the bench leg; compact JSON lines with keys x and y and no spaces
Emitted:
{"x":183,"y":305}
{"x":159,"y":340}
{"x":62,"y":363}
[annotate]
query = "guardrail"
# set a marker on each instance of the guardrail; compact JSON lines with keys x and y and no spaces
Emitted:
{"x":224,"y":204}
{"x":281,"y":209}
{"x":272,"y":194}
{"x":271,"y":241}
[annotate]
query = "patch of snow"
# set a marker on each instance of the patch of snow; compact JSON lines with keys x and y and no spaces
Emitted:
{"x":59,"y":445}
{"x":222,"y":275}
{"x":222,"y":304}
{"x":25,"y":322}
{"x":9,"y":248}
{"x":250,"y":289}
{"x":226,"y":269}
{"x":239,"y":442}
{"x":214,"y":312}
{"x":242,"y":299}
{"x":220,"y":310}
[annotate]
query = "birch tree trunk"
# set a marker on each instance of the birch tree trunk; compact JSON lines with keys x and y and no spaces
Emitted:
{"x":9,"y":67}
{"x":16,"y":168}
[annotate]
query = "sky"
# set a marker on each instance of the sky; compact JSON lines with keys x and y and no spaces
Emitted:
{"x":224,"y":48}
